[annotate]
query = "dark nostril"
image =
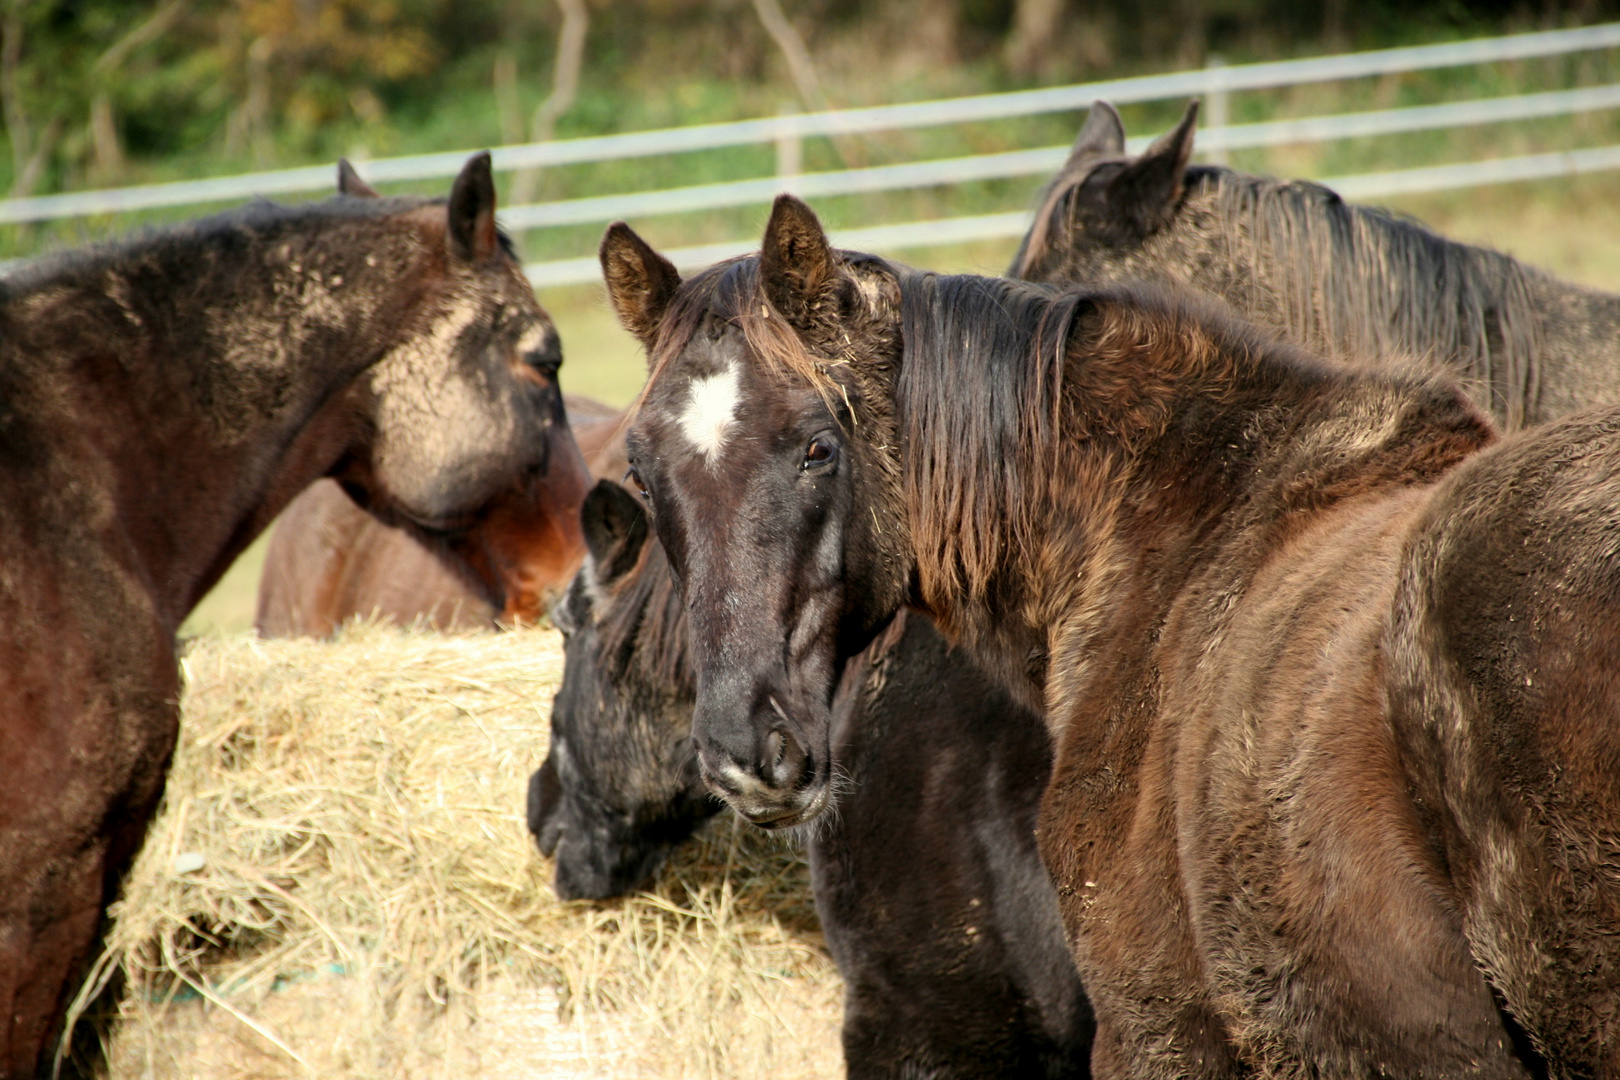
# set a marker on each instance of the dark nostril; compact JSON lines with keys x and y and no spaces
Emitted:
{"x":785,"y":759}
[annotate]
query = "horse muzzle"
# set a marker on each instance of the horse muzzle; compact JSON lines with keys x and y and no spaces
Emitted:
{"x":777,"y":783}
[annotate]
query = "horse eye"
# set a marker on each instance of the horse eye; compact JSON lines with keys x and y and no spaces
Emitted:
{"x":633,"y":478}
{"x":547,"y":359}
{"x":821,"y":451}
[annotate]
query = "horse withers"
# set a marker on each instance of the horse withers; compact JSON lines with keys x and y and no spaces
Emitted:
{"x":161,"y":399}
{"x":926,"y":876}
{"x":329,"y":561}
{"x":1330,"y":670}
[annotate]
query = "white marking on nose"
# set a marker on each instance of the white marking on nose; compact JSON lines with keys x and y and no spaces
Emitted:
{"x":744,"y":783}
{"x":709,"y":412}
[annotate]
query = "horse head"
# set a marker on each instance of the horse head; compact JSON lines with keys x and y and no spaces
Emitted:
{"x":463,"y":437}
{"x":1103,"y":201}
{"x":764,"y":439}
{"x":620,"y":788}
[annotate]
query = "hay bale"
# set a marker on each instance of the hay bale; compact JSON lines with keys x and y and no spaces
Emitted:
{"x":340,"y":883}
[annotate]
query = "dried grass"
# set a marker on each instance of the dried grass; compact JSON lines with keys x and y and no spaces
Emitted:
{"x":369,"y":903}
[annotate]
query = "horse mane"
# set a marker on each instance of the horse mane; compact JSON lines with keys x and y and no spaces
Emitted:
{"x":978,"y":392}
{"x":733,"y":291}
{"x":1001,"y":379}
{"x":645,"y":625}
{"x":1365,"y":281}
{"x":1358,"y":282}
{"x":179,"y":243}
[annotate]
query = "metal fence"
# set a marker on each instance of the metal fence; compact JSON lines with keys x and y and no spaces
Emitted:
{"x":784,"y":131}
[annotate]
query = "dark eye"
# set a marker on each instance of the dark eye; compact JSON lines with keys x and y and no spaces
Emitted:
{"x":633,"y":478}
{"x":821,"y":452}
{"x":546,"y":359}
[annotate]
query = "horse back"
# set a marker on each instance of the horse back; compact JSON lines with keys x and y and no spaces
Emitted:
{"x":928,"y":882}
{"x":1504,"y":647}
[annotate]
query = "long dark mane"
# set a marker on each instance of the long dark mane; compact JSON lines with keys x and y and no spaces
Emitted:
{"x":967,"y":426}
{"x":1357,"y":282}
{"x":1363,"y":281}
{"x":993,"y":367}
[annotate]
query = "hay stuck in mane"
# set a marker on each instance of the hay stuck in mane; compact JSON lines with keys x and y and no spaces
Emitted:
{"x":368,"y":902}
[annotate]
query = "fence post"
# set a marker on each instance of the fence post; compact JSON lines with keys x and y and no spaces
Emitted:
{"x":1216,"y":116}
{"x":789,"y":148}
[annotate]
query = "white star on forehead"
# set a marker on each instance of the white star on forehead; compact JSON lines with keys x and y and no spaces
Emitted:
{"x":709,"y":412}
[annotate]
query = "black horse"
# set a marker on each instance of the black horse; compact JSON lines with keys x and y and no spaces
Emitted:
{"x":927,"y":880}
{"x":161,"y":400}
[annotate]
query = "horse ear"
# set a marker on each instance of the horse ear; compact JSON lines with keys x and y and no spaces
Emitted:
{"x":349,"y":182}
{"x":640,"y":282}
{"x":472,"y":233}
{"x":797,"y":266}
{"x":615,"y":527}
{"x":1146,"y":191}
{"x":1102,"y":135}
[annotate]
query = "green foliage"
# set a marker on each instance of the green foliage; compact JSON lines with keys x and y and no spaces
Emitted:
{"x":108,"y":92}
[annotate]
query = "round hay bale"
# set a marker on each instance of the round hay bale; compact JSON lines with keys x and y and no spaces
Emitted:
{"x":340,"y":883}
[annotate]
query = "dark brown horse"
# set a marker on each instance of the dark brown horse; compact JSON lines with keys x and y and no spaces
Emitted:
{"x":160,"y":401}
{"x":1348,"y":282}
{"x":927,"y":878}
{"x":329,"y":561}
{"x":1333,"y":675}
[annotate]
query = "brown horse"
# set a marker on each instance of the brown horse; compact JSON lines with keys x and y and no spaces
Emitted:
{"x":1331,"y":673}
{"x":329,"y":561}
{"x":1352,"y":283}
{"x":160,"y":401}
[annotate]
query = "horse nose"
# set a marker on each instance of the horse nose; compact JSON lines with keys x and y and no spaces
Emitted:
{"x":784,"y":761}
{"x":776,"y":762}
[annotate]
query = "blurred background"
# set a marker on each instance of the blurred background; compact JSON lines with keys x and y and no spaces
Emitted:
{"x":115,"y":94}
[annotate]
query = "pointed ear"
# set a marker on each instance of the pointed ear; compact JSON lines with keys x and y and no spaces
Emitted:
{"x":797,"y":266}
{"x":349,"y":182}
{"x":1102,"y":135}
{"x":615,"y":527}
{"x":471,"y":233}
{"x":1146,"y":191}
{"x":640,"y":282}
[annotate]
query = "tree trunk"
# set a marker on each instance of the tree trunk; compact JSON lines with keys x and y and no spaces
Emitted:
{"x":564,"y":88}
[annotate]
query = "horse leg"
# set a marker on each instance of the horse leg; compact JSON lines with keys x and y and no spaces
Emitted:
{"x":47,"y":946}
{"x":64,"y":850}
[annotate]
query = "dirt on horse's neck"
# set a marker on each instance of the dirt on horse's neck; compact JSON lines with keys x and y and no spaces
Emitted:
{"x":273,"y":404}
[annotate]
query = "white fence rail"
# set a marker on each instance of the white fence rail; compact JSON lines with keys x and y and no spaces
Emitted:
{"x":1214,"y":80}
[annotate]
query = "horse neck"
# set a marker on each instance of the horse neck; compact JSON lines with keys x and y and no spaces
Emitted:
{"x":1162,"y":466}
{"x":201,"y":421}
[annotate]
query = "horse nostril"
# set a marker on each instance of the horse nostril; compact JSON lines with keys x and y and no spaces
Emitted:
{"x":785,"y":759}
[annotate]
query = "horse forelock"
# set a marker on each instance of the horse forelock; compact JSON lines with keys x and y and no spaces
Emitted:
{"x":733,"y":293}
{"x":1037,"y":243}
